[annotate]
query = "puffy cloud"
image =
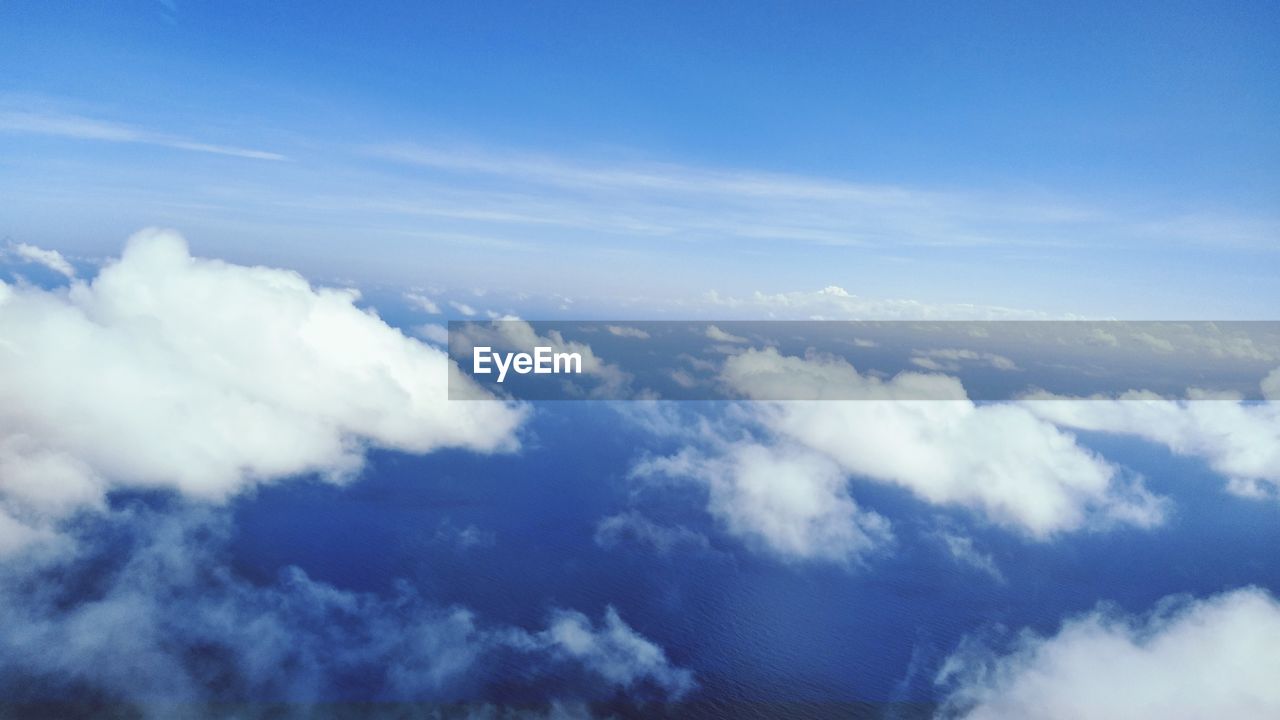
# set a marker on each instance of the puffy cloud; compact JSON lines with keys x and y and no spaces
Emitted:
{"x":155,"y":616}
{"x":614,"y":651}
{"x":1239,"y":440}
{"x":1210,"y":658}
{"x":1016,"y":468}
{"x":170,"y":371}
{"x":778,"y":473}
{"x":792,"y":503}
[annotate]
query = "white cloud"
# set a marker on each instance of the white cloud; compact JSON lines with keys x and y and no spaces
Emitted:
{"x":422,"y":302}
{"x":792,"y":503}
{"x":463,"y":308}
{"x":177,"y":372}
{"x":769,"y":375}
{"x":1016,"y":468}
{"x":663,"y":200}
{"x":836,"y":303}
{"x":627,"y":332}
{"x":719,"y":335}
{"x":433,"y":333}
{"x":964,"y":551}
{"x":951,"y":359}
{"x":51,"y":259}
{"x":615,"y":651}
{"x":778,"y":472}
{"x":1158,"y":344}
{"x":1271,"y":386}
{"x":1201,"y":659}
{"x":1238,"y":440}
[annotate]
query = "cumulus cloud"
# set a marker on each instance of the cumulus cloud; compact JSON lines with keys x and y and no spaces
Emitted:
{"x":778,"y":473}
{"x":171,"y":371}
{"x":165,"y":620}
{"x":791,"y":503}
{"x":1017,"y":469}
{"x":1189,"y":659}
{"x":1238,"y":440}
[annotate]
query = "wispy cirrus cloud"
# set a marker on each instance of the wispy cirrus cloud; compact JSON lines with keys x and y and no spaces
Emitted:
{"x":79,"y":127}
{"x":664,"y":198}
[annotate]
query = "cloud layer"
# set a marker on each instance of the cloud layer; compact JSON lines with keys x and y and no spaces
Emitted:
{"x":147,"y":612}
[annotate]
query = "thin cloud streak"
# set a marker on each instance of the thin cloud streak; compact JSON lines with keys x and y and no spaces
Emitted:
{"x":82,"y":128}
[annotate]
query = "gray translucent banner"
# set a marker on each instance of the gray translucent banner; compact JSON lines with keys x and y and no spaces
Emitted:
{"x":864,"y":360}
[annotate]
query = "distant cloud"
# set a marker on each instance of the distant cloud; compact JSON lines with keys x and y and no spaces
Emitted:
{"x":964,"y":551}
{"x":719,"y":335}
{"x":465,"y":537}
{"x":1187,"y":659}
{"x":422,"y":302}
{"x":614,"y":651}
{"x":463,"y":308}
{"x":433,"y":333}
{"x":51,"y":259}
{"x":634,"y":527}
{"x":950,"y":359}
{"x":82,"y":128}
{"x":835,"y":303}
{"x":627,"y":332}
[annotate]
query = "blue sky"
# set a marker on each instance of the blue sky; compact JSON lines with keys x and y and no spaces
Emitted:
{"x":1095,"y":159}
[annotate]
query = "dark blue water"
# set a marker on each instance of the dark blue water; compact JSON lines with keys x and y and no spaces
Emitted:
{"x":753,"y":629}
